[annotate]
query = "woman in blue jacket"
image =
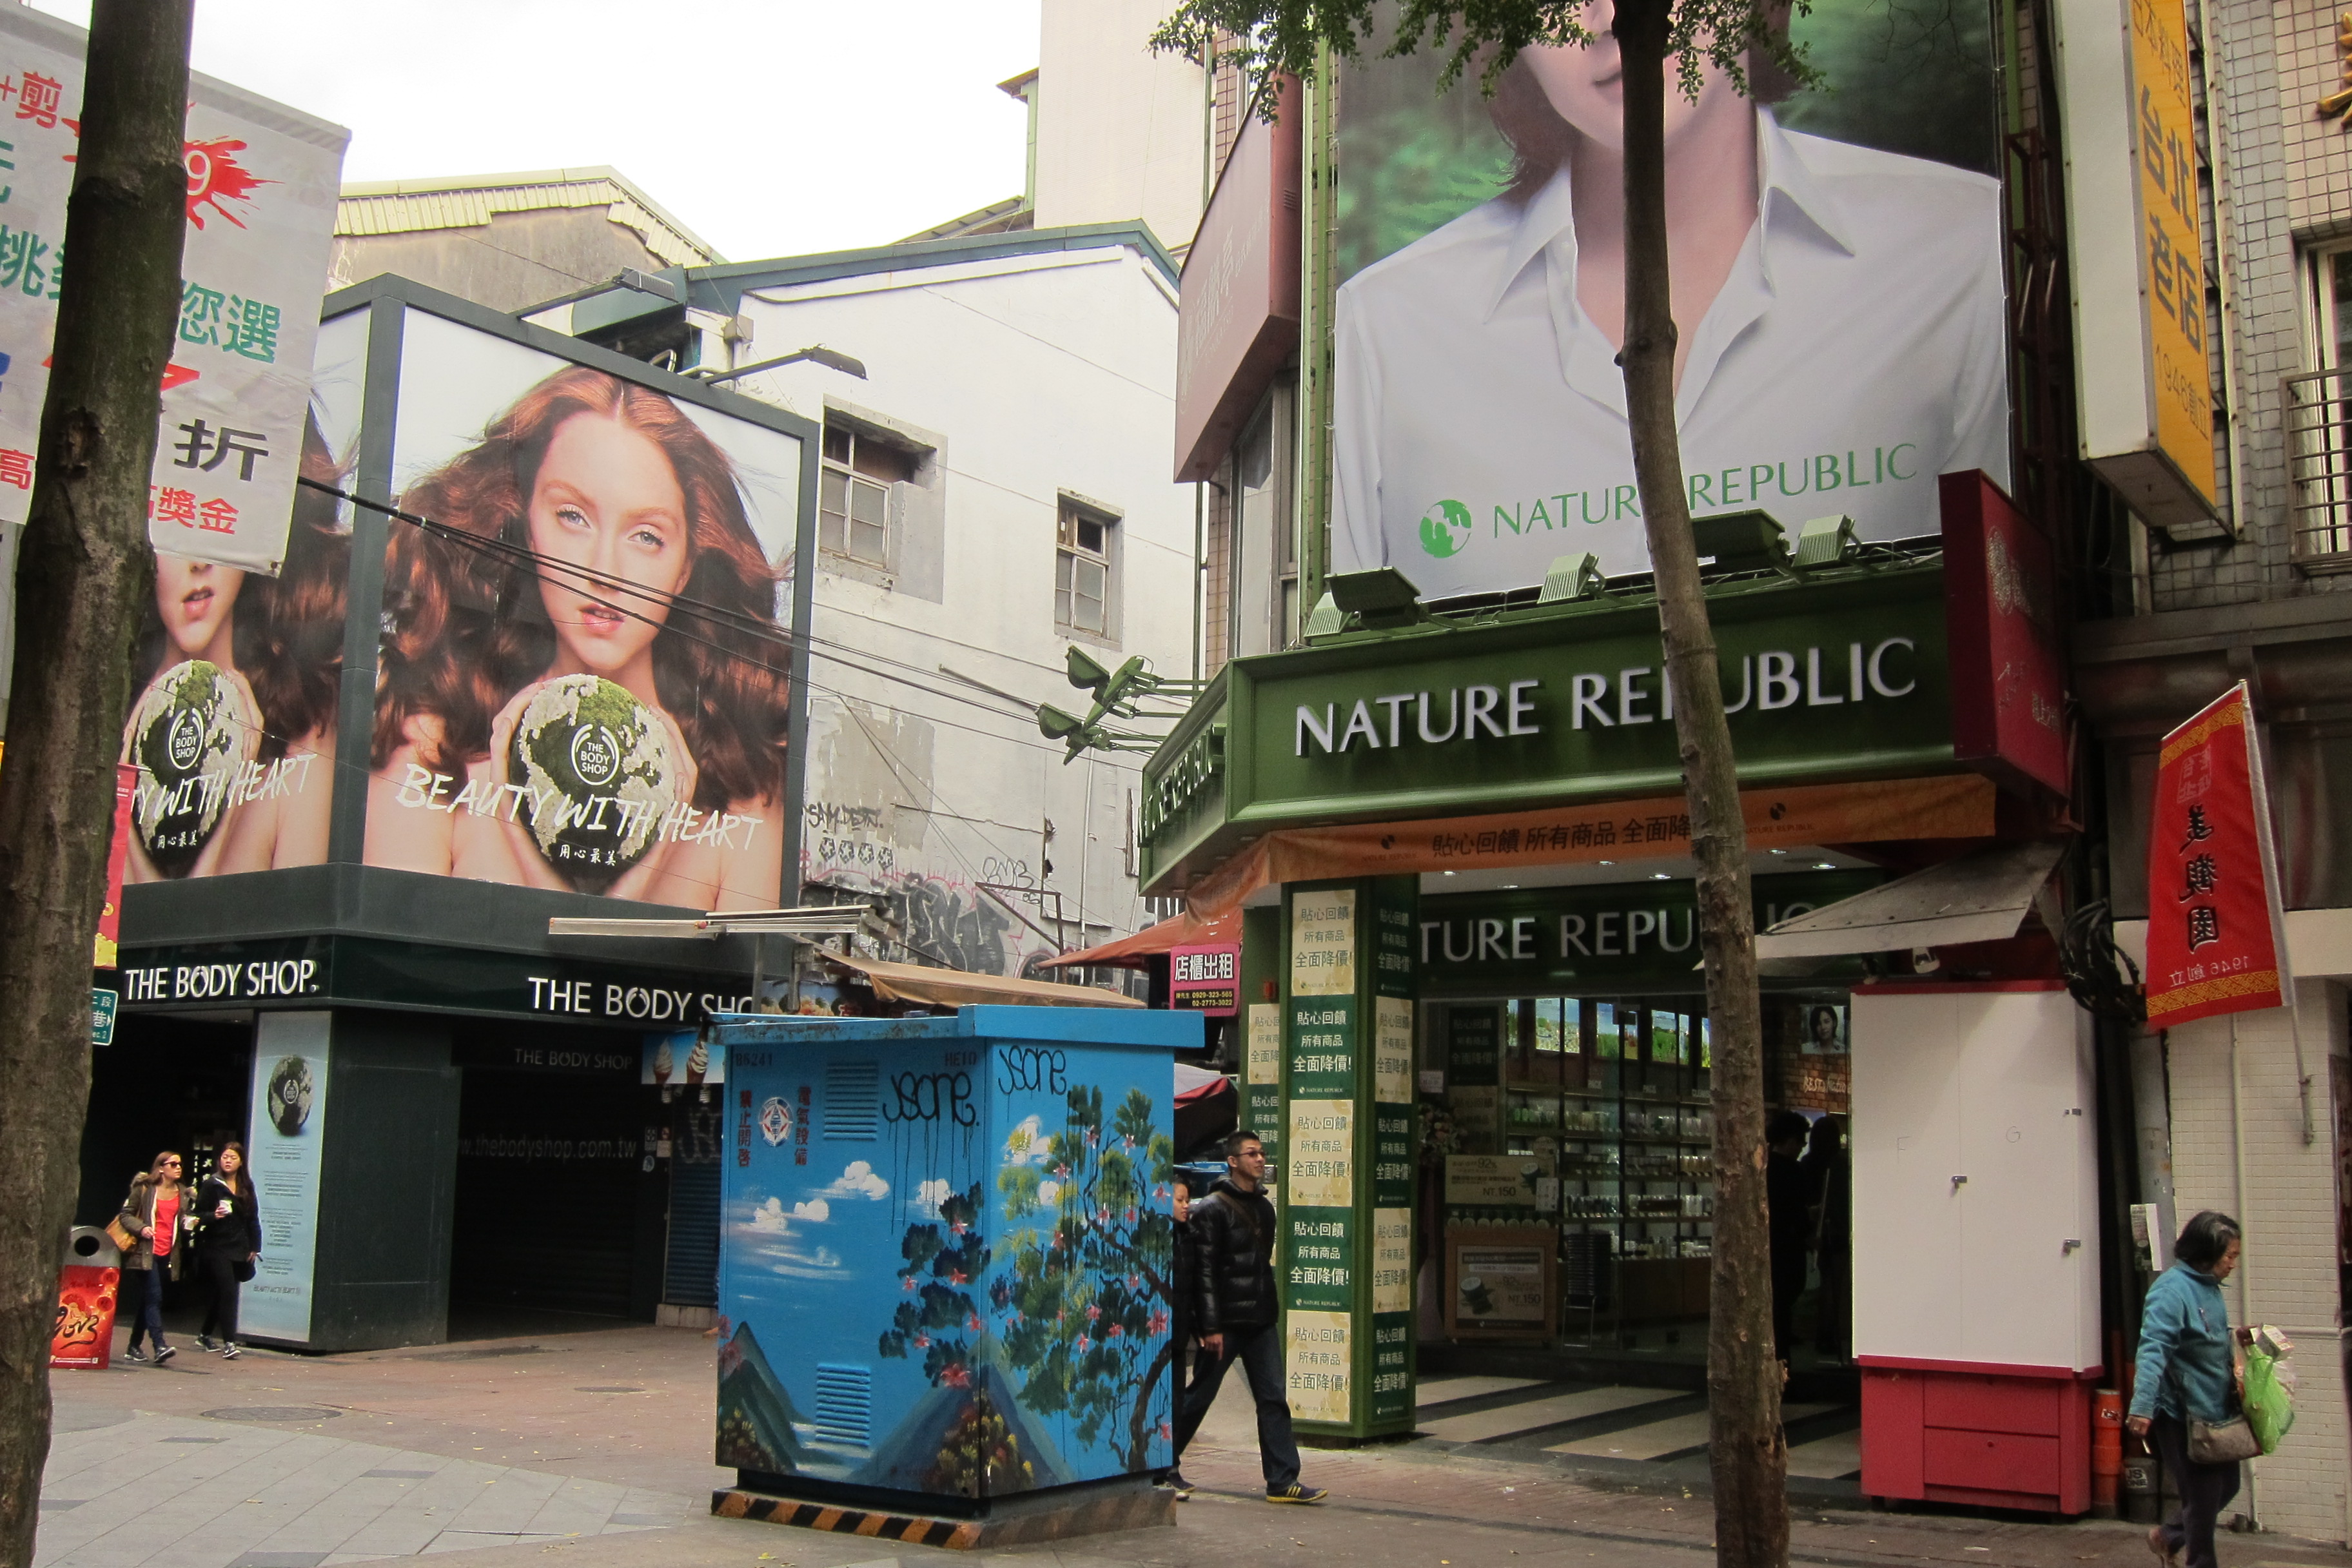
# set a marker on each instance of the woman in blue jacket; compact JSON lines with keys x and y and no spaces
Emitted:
{"x":2188,"y":1372}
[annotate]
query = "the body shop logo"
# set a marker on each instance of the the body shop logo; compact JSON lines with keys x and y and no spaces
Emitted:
{"x":595,"y":755}
{"x":1446,"y":528}
{"x":186,"y":741}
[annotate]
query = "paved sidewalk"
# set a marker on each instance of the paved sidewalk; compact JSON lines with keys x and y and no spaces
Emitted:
{"x":592,"y":1450}
{"x":124,"y":1489}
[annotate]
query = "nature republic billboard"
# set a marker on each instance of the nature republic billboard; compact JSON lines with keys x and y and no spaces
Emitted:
{"x":1838,"y":284}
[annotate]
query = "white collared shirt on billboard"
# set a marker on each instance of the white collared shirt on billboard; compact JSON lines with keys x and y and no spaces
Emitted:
{"x":1857,"y":351}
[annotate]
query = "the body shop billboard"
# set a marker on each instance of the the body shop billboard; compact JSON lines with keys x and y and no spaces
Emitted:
{"x":1837,"y":268}
{"x":232,"y":723}
{"x":582,"y":680}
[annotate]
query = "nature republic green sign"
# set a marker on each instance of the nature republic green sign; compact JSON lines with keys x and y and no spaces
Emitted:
{"x":1821,"y":681}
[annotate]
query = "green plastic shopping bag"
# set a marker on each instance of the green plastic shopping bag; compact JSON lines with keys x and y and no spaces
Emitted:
{"x":2269,"y":1409}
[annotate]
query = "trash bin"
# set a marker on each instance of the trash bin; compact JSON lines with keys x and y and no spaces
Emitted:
{"x":945,"y":1261}
{"x":87,"y":1286}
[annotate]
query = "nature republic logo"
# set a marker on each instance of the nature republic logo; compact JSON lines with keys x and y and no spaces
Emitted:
{"x":1446,"y":528}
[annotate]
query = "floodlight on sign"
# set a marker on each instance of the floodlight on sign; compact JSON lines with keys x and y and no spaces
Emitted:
{"x":1572,"y":577}
{"x":1057,"y":725}
{"x":1826,"y":542}
{"x":1382,"y":596}
{"x":1087,"y":672}
{"x":1741,"y":540}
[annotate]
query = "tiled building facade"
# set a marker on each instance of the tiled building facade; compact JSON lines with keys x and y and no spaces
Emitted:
{"x":2254,"y":1128}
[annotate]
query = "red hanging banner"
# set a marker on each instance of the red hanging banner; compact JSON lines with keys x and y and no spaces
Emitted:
{"x":2216,"y":938}
{"x":110,"y":918}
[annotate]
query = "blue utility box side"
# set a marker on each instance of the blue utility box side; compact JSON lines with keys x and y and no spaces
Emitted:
{"x":944,"y":1266}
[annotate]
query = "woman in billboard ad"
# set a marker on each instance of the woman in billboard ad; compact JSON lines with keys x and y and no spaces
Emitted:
{"x":584,"y":694}
{"x":233,"y":728}
{"x":1842,"y":340}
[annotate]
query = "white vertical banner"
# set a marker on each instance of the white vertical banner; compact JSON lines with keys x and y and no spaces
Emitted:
{"x":262,"y":185}
{"x":285,"y":1145}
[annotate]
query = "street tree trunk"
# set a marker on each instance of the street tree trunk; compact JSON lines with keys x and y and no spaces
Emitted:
{"x":82,"y":570}
{"x":1747,"y":1450}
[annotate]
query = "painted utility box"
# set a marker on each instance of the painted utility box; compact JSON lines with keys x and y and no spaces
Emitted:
{"x":945,"y":1263}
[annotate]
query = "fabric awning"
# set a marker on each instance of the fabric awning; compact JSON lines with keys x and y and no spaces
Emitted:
{"x":1155,"y":941}
{"x":1981,"y":896}
{"x":959,"y":988}
{"x":1199,"y":1083}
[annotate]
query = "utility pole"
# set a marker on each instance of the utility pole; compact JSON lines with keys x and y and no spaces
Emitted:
{"x":82,"y":571}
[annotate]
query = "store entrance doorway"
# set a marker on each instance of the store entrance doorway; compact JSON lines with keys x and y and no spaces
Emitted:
{"x":556,"y":1215}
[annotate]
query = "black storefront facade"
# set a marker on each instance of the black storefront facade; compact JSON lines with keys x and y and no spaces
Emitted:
{"x":486,"y":1147}
{"x":451,"y":1114}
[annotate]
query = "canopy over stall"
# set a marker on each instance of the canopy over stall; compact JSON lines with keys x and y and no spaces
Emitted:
{"x":931,"y":988}
{"x":1981,"y":896}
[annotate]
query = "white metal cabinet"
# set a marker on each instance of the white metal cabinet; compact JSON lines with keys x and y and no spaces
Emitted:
{"x":1993,"y":1084}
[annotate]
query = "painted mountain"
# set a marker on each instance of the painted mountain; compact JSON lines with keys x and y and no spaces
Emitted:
{"x":755,"y":1413}
{"x":972,"y":1440}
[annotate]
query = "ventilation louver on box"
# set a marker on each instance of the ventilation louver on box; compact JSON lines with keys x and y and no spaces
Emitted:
{"x":844,"y":1403}
{"x":853,"y":1102}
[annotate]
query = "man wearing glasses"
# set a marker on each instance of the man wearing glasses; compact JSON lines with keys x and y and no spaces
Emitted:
{"x":1237,"y":1315}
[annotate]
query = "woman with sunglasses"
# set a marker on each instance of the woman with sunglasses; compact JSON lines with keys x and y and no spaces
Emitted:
{"x":159,"y":1212}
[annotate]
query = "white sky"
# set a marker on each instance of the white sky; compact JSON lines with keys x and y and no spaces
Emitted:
{"x":768,"y":127}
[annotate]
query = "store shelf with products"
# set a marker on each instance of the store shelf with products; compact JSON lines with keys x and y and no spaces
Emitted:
{"x":1613,"y":1093}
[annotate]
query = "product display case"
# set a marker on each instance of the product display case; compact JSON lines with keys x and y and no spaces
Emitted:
{"x":1613,"y":1093}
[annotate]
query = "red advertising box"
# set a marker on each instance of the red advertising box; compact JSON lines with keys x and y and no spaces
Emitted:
{"x":84,"y":1336}
{"x":1205,"y":980}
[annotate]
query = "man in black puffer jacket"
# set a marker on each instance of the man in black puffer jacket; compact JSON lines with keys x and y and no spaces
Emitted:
{"x":1237,"y":1312}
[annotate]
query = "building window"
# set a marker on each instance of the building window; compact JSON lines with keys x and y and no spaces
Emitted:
{"x":854,"y":493}
{"x":1082,"y":572}
{"x":2319,"y":420}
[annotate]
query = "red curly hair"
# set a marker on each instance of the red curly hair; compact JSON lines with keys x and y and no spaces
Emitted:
{"x":464,"y":629}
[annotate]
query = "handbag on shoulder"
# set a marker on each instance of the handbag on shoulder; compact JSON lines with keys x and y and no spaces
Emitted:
{"x":121,"y":1234}
{"x":2223,"y":1442}
{"x":2226,"y":1442}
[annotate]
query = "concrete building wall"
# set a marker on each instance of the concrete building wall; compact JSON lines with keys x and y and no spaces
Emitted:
{"x":2237,"y":1146}
{"x":515,"y":260}
{"x":1121,"y":132}
{"x":1036,"y":375}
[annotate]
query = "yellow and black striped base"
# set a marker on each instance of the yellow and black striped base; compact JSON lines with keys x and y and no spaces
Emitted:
{"x":1140,"y":1508}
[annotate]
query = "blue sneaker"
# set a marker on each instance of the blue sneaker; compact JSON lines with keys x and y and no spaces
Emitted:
{"x":1293,"y":1492}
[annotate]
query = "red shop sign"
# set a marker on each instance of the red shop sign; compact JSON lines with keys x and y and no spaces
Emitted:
{"x":2216,"y":938}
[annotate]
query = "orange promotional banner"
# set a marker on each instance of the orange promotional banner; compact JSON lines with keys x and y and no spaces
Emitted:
{"x":118,"y":851}
{"x":1958,"y":806}
{"x":83,"y":1334}
{"x":2216,"y":937}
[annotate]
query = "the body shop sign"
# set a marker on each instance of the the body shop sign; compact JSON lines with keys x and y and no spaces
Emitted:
{"x":318,"y":970}
{"x":1205,"y":980}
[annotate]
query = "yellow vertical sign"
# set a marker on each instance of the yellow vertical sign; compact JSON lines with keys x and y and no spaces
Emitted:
{"x":2172,"y":271}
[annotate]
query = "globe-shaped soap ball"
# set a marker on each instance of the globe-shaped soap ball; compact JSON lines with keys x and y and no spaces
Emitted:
{"x":190,"y":737}
{"x":601,"y":781}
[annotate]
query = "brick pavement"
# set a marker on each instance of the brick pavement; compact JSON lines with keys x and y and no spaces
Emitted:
{"x":580,"y":1469}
